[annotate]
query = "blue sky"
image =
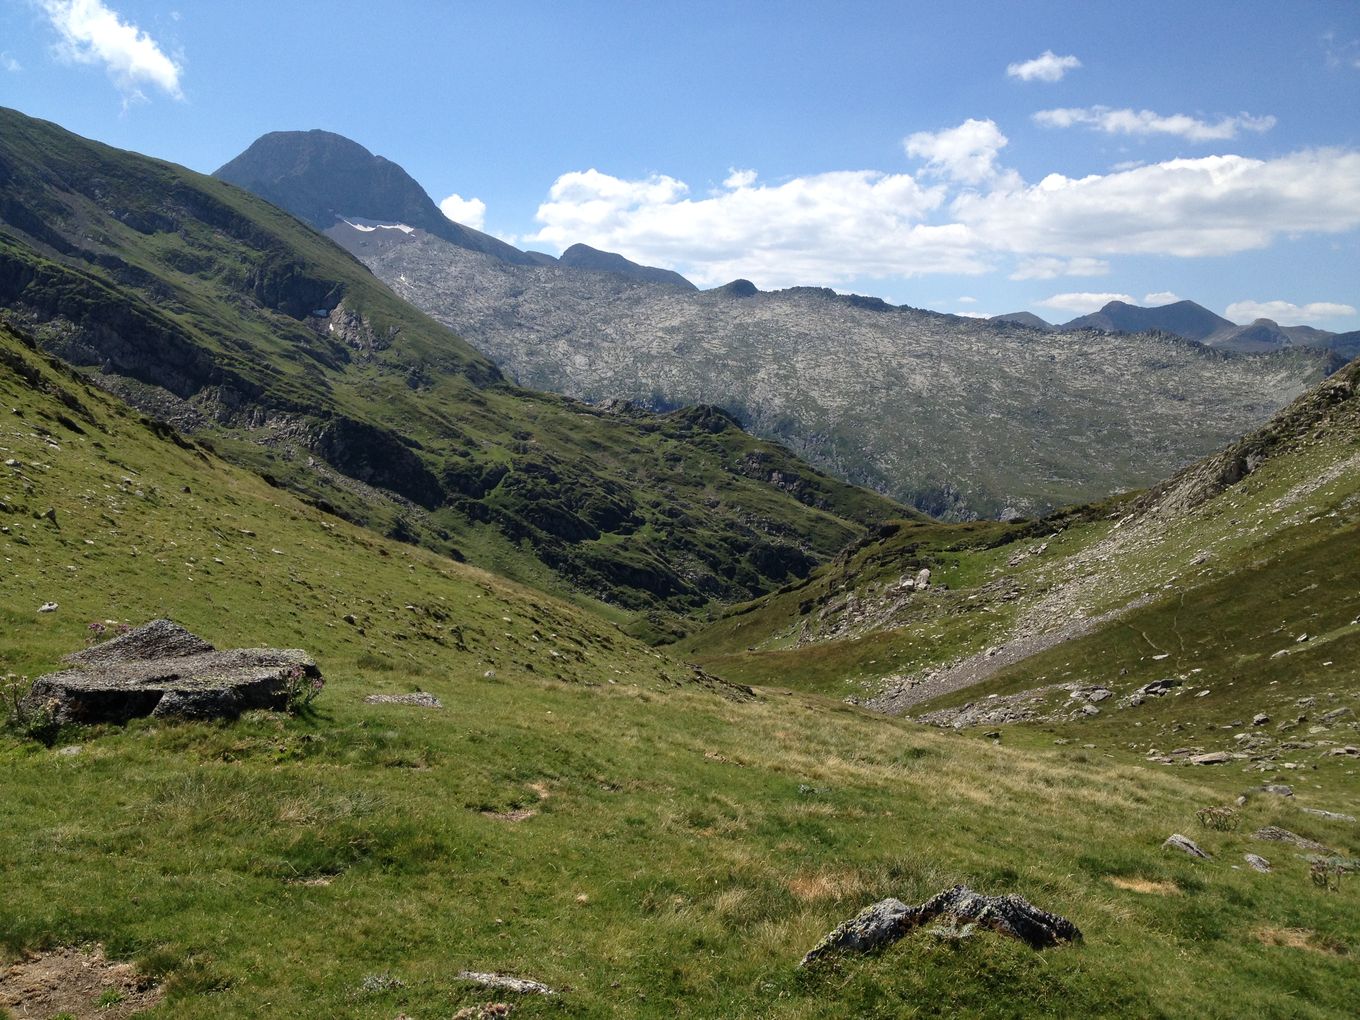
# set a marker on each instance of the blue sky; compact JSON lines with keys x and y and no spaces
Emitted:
{"x":968,"y":157}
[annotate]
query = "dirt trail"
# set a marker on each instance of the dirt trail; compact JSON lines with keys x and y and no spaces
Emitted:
{"x":896,"y":700}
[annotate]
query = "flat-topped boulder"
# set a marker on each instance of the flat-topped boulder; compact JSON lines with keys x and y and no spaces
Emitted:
{"x":160,"y":669}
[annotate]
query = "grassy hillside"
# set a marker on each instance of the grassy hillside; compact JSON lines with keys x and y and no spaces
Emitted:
{"x":678,"y":850}
{"x":208,"y":308}
{"x":1245,"y":519}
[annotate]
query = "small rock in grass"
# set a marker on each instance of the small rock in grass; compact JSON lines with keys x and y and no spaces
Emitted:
{"x":1212,"y":758}
{"x":48,"y":607}
{"x":1184,"y":844}
{"x":1275,"y":834}
{"x":505,"y":983}
{"x":1279,"y":789}
{"x":1260,"y":719}
{"x":420,"y":699}
{"x":1257,"y":863}
{"x":889,"y":920}
{"x":1334,"y":816}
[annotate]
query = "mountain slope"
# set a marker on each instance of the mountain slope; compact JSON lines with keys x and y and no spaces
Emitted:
{"x":958,"y":417}
{"x":320,"y":177}
{"x":1237,"y":576}
{"x":218,"y":312}
{"x":583,"y":811}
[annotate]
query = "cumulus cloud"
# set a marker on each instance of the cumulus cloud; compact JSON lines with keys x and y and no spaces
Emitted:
{"x":1146,"y":122}
{"x":1161,"y":297}
{"x":8,"y":62}
{"x":740,"y":178}
{"x":1048,"y":66}
{"x":1082,"y":303}
{"x":91,"y":33}
{"x":965,"y":153}
{"x":1047,"y":268}
{"x":824,"y":228}
{"x":470,"y":212}
{"x":1287,"y":313}
{"x":963,"y":213}
{"x":1214,"y":205}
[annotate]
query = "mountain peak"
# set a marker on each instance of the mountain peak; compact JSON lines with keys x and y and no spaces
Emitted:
{"x":321,"y":177}
{"x":583,"y":256}
{"x":1183,"y":318}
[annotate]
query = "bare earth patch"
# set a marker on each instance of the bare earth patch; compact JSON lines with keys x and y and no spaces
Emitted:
{"x":1144,"y":885}
{"x":80,"y":982}
{"x":1296,"y":938}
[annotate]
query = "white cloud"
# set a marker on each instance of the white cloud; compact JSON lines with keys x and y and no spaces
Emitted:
{"x":1286,"y":313}
{"x":470,"y":212}
{"x":1341,"y":52}
{"x":825,"y":228}
{"x":91,"y":33}
{"x":1048,"y":66}
{"x":739,"y":178}
{"x":1214,"y":205}
{"x":1047,"y":268}
{"x":10,"y":64}
{"x":967,"y":300}
{"x":965,"y":214}
{"x":1146,"y":122}
{"x":964,"y":153}
{"x":1082,"y":303}
{"x":1161,"y":297}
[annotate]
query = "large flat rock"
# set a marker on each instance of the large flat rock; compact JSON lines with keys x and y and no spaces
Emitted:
{"x":162,"y":670}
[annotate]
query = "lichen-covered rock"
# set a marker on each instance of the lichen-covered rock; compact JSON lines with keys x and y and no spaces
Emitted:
{"x":162,"y":670}
{"x":420,"y":699}
{"x":889,"y":920}
{"x":1275,"y":834}
{"x":1184,"y":844}
{"x":505,"y":983}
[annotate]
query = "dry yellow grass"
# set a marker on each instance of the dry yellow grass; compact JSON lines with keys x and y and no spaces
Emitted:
{"x":1144,"y":885}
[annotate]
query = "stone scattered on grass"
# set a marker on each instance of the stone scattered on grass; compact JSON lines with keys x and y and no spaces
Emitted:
{"x":505,"y":983}
{"x":885,"y":922}
{"x":1257,"y":863}
{"x":1212,"y":758}
{"x":48,"y":607}
{"x":162,"y":670}
{"x":1279,"y":789}
{"x":419,"y":698}
{"x":1275,"y":834}
{"x":1332,"y":816}
{"x":1184,"y":844}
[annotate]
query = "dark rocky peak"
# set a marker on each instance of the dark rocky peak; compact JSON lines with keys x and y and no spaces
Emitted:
{"x":1183,"y":318}
{"x":737,"y":289}
{"x":321,"y":177}
{"x":1023,"y":319}
{"x":582,"y":256}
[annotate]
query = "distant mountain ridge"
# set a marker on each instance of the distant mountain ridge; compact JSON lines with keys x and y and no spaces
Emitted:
{"x":324,"y":178}
{"x":959,"y":417}
{"x":1192,"y":321}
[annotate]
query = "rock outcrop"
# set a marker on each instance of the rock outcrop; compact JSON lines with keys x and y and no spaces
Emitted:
{"x":162,"y":670}
{"x":889,"y":920}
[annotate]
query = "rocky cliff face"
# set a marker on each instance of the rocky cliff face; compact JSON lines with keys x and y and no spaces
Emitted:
{"x":956,"y":416}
